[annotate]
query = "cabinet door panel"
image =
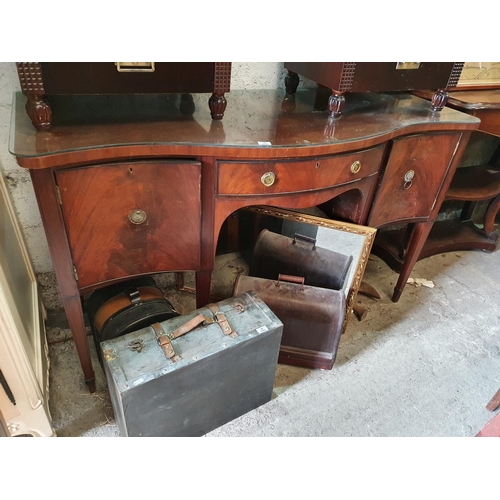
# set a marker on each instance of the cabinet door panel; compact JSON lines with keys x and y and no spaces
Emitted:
{"x":132,"y":218}
{"x":413,"y":178}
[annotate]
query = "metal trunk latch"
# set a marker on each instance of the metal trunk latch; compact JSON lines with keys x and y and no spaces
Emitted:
{"x":136,"y":345}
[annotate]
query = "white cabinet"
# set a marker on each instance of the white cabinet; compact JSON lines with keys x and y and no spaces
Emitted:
{"x":24,"y":361}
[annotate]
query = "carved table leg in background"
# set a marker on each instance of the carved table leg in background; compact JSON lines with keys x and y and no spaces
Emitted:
{"x":336,"y":103}
{"x":217,"y":104}
{"x":439,"y":100}
{"x":39,"y":111}
{"x":37,"y":107}
{"x":222,"y":84}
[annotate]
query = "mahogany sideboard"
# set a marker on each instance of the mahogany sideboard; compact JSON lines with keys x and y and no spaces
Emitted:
{"x":122,"y":196}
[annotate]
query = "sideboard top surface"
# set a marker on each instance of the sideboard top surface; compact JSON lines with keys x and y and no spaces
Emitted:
{"x":258,"y":123}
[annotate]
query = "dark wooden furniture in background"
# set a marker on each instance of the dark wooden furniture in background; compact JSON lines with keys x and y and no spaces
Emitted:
{"x":470,"y":185}
{"x":343,"y":77}
{"x":119,"y":199}
{"x":482,"y":182}
{"x":40,"y":81}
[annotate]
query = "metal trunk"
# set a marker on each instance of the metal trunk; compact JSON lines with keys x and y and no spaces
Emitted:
{"x":216,"y":379}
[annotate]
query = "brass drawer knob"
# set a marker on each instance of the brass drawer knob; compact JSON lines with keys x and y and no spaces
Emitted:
{"x":268,"y":179}
{"x":356,"y":167}
{"x":137,"y":216}
{"x":408,"y":179}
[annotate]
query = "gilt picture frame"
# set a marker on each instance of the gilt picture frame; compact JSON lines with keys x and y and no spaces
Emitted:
{"x":479,"y":75}
{"x":350,"y":239}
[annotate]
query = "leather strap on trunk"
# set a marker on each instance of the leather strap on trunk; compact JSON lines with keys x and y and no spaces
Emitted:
{"x":164,"y":339}
{"x":165,"y":344}
{"x":220,"y":318}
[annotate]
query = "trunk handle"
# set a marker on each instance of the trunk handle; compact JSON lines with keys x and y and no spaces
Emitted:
{"x":308,"y":239}
{"x":164,"y":338}
{"x":292,"y":279}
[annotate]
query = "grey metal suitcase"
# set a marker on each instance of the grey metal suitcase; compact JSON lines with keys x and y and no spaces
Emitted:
{"x":162,"y":384}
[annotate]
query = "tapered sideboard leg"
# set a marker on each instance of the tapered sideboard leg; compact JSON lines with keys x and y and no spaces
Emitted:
{"x":50,"y":211}
{"x":74,"y":313}
{"x":416,"y":242}
{"x":203,"y":282}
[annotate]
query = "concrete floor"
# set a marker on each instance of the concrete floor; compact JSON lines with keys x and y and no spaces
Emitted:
{"x":425,"y":366}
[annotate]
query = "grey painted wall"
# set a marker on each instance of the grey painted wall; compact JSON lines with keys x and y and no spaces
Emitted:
{"x":249,"y":75}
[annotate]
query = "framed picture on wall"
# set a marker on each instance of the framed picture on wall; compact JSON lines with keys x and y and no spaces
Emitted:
{"x":480,"y":75}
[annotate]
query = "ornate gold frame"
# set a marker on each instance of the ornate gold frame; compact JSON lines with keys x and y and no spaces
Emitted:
{"x":367,"y":232}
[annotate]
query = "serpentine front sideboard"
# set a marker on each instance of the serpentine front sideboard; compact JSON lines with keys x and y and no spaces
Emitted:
{"x":133,"y":185}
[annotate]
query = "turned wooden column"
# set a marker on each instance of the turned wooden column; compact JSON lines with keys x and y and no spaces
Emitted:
{"x":222,"y":83}
{"x":37,"y":106}
{"x":439,"y":100}
{"x":336,"y":103}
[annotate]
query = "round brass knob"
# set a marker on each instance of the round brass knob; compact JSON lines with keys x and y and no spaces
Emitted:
{"x":409,"y":175}
{"x":408,"y":179}
{"x":137,"y":216}
{"x":268,"y":179}
{"x":356,"y":167}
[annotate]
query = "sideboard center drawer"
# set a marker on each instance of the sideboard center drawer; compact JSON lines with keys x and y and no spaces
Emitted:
{"x":274,"y":177}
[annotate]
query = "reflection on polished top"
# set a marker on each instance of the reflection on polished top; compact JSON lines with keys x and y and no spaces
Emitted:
{"x":255,"y":120}
{"x":476,"y":99}
{"x":470,"y":99}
